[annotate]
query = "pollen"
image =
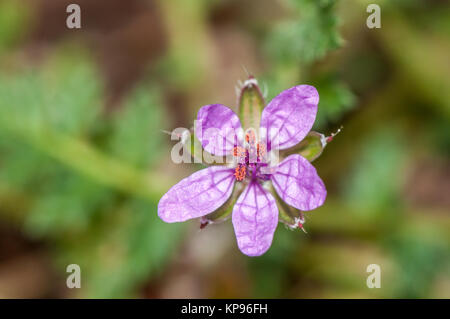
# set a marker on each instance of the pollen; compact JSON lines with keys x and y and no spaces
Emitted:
{"x":261,"y":150}
{"x":240,"y":172}
{"x":238,"y":151}
{"x":250,"y":137}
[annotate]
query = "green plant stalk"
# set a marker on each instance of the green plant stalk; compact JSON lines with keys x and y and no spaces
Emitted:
{"x":87,"y":160}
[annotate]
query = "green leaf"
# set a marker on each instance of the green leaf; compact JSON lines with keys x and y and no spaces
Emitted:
{"x":307,"y":37}
{"x":34,"y":99}
{"x":377,"y":177}
{"x":136,"y":127}
{"x":135,"y":245}
{"x":68,"y":205}
{"x":420,"y":259}
{"x":96,"y":210}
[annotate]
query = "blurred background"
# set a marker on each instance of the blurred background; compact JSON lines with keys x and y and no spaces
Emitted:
{"x":84,"y":161}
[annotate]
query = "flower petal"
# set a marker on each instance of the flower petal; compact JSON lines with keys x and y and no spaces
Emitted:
{"x":197,"y":195}
{"x":287,"y":119}
{"x":255,"y":218}
{"x":217,"y":129}
{"x":297,"y":183}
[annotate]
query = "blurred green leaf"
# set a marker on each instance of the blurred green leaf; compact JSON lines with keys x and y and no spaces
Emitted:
{"x":308,"y":37}
{"x":136,"y":248}
{"x":64,"y":95}
{"x":377,"y":175}
{"x":137,"y":127}
{"x":335,"y":99}
{"x":419,"y":259}
{"x":84,"y":193}
{"x":270,"y":272}
{"x":68,"y":205}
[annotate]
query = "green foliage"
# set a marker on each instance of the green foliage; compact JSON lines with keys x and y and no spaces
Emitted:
{"x":381,"y":158}
{"x":122,"y":251}
{"x":85,"y":193}
{"x":40,"y":100}
{"x":440,"y":136}
{"x":13,"y":22}
{"x":309,"y":36}
{"x":269,"y":272}
{"x":21,"y":166}
{"x":67,"y":205}
{"x":335,"y":100}
{"x":136,"y":128}
{"x":83,"y":180}
{"x":420,"y":259}
{"x":310,"y":32}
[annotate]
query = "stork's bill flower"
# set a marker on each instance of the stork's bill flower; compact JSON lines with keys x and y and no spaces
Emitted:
{"x":256,"y":189}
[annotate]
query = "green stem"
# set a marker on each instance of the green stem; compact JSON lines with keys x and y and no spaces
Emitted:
{"x":87,"y":160}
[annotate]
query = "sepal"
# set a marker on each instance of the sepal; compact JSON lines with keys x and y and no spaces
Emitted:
{"x":251,"y":104}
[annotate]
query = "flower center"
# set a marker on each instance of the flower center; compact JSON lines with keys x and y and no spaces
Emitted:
{"x":250,"y":158}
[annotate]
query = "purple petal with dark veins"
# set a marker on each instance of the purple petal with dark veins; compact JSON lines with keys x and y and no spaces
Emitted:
{"x":217,"y":129}
{"x":289,"y":116}
{"x":297,"y":183}
{"x":197,"y":195}
{"x":255,"y":218}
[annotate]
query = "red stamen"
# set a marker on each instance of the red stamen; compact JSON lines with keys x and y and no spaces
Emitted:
{"x":240,"y":172}
{"x":250,"y":137}
{"x":261,"y":149}
{"x":238,"y":151}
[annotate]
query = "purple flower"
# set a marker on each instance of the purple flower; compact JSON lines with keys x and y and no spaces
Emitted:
{"x":284,"y":122}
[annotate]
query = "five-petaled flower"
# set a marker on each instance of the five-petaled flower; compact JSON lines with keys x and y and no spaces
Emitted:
{"x":284,"y":122}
